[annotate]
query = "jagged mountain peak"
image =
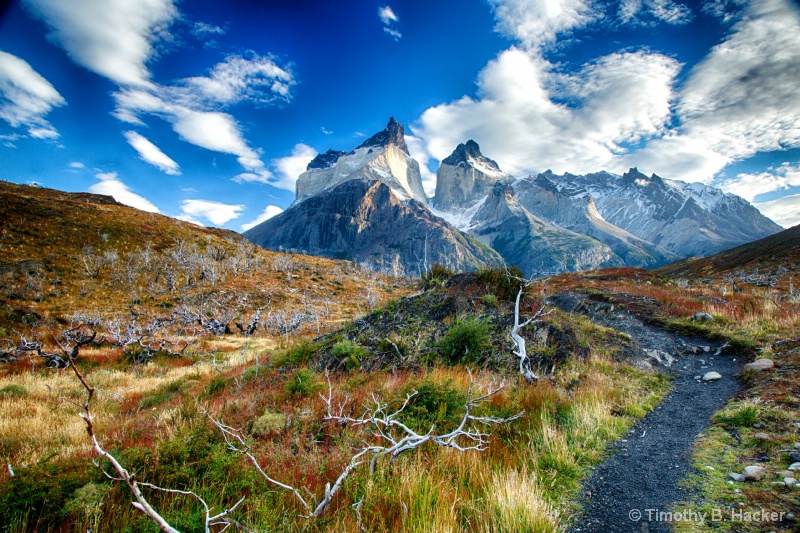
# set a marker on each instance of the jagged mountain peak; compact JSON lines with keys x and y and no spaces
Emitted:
{"x":394,"y":133}
{"x":469,"y":152}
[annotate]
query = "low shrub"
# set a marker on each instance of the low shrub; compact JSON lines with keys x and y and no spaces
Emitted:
{"x":348,"y":353}
{"x":467,"y":341}
{"x":13,"y":391}
{"x":302,"y":384}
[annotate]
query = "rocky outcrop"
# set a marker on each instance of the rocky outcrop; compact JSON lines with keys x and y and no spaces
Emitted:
{"x":365,"y":221}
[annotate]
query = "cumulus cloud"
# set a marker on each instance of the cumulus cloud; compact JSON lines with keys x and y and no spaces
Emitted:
{"x":743,"y":98}
{"x":389,"y":19}
{"x":113,"y":38}
{"x":784,"y":211}
{"x":152,"y":154}
{"x":417,"y":149}
{"x":215,"y":212}
{"x":26,"y":97}
{"x":76,"y":165}
{"x":290,"y":167}
{"x":268,"y":212}
{"x":110,"y":185}
{"x":651,"y":12}
{"x":618,"y":99}
{"x":537,"y":23}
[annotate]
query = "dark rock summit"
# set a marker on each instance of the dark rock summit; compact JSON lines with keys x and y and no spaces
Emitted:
{"x":326,"y":160}
{"x":392,"y":134}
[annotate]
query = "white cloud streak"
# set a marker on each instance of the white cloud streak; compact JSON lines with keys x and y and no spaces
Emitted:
{"x":751,"y":185}
{"x":113,"y":38}
{"x":268,"y":212}
{"x":110,"y":185}
{"x":152,"y":154}
{"x":215,"y":212}
{"x":26,"y":97}
{"x":784,"y":211}
{"x":192,"y":105}
{"x":389,"y":19}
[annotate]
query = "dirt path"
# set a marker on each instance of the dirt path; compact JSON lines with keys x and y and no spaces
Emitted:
{"x":640,"y":478}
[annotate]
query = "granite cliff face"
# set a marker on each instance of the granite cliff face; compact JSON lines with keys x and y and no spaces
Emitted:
{"x":365,"y":221}
{"x":383,"y":157}
{"x":368,"y":206}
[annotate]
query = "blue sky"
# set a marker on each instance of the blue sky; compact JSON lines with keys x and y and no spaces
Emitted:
{"x":209,"y":110}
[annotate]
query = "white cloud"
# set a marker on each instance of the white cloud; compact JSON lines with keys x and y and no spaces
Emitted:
{"x":258,"y":80}
{"x":268,"y":212}
{"x":202,"y":29}
{"x":26,"y":97}
{"x":650,"y":12}
{"x":113,"y":38}
{"x":618,"y":99}
{"x":110,"y":185}
{"x":750,"y":186}
{"x":215,"y":212}
{"x":674,"y":156}
{"x":419,"y":152}
{"x":389,"y":19}
{"x":290,"y":167}
{"x":784,"y":211}
{"x":152,"y":153}
{"x":192,"y":105}
{"x":386,"y":15}
{"x":536,"y":23}
{"x":743,"y":98}
{"x":76,"y":165}
{"x":262,"y":176}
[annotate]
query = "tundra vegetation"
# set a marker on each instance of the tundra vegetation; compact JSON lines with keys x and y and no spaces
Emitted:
{"x":157,"y":375}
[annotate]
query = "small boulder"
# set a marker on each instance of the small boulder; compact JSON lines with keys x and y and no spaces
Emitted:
{"x":794,"y":457}
{"x":702,"y":317}
{"x":759,"y":364}
{"x":736,"y":477}
{"x":789,"y":481}
{"x":754,"y":473}
{"x":762,"y":436}
{"x":785,"y":473}
{"x":794,"y":466}
{"x":712,"y":376}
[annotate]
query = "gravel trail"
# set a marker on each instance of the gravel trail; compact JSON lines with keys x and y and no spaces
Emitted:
{"x":638,"y":482}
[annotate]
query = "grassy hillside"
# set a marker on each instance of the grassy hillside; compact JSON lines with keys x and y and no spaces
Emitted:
{"x":174,"y":303}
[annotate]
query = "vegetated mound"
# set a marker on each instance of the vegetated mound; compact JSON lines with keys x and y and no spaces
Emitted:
{"x":67,"y":253}
{"x":462,"y":319}
{"x":768,"y":255}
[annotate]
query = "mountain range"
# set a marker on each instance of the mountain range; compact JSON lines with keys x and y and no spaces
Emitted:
{"x":368,"y":205}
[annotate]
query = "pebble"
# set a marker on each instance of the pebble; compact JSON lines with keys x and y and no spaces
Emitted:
{"x":796,"y":425}
{"x":759,"y":365}
{"x":762,"y":436}
{"x":794,"y":466}
{"x":785,"y":473}
{"x":797,"y":445}
{"x":712,"y":376}
{"x":790,"y":517}
{"x":706,"y":348}
{"x":790,"y":481}
{"x":794,"y":457}
{"x":754,"y":473}
{"x":736,"y":477}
